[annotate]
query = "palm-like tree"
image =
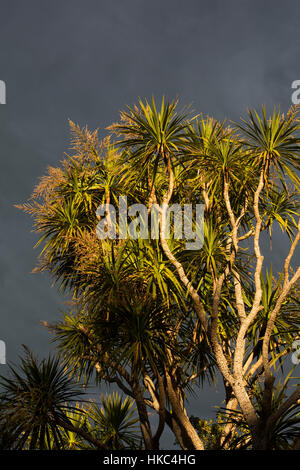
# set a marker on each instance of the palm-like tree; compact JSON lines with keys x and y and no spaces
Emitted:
{"x":36,"y":401}
{"x":151,"y":137}
{"x":116,"y":422}
{"x":149,"y":315}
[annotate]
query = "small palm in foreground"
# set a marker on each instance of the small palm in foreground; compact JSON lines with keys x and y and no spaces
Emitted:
{"x":37,"y":401}
{"x":38,"y":410}
{"x":71,"y":439}
{"x":116,"y":422}
{"x":34,"y":401}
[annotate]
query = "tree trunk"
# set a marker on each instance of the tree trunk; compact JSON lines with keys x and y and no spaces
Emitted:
{"x":182,"y":417}
{"x":143,"y":417}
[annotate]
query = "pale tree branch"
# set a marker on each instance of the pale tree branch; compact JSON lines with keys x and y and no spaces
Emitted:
{"x":235,"y":225}
{"x":287,"y":285}
{"x":179,"y":268}
{"x":256,"y":307}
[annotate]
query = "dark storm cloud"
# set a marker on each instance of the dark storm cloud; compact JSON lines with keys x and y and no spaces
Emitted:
{"x":87,"y":60}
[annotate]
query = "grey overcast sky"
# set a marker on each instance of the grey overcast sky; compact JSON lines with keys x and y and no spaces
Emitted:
{"x":86,"y":60}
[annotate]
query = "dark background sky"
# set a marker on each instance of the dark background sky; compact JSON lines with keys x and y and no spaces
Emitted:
{"x":86,"y":60}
